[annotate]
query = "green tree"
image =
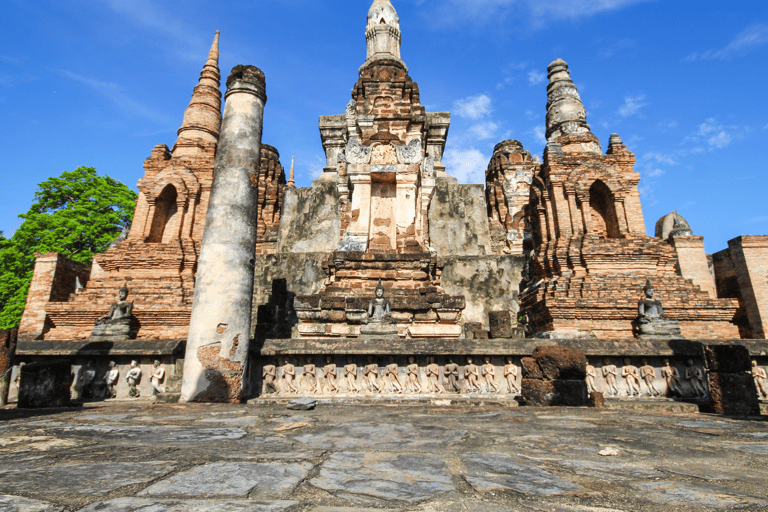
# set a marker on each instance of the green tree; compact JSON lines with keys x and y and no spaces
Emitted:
{"x":76,"y":214}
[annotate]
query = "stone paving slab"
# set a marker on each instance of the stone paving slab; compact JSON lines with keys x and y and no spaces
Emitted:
{"x":96,"y":479}
{"x":139,"y":456}
{"x":368,"y":477}
{"x":240,"y":479}
{"x":18,"y":504}
{"x":149,"y":505}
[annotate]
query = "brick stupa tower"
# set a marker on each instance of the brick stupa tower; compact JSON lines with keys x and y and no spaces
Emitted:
{"x":592,"y":257}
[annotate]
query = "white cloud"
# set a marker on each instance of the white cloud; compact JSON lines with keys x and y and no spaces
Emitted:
{"x":474,"y":107}
{"x":759,"y":219}
{"x":533,"y":115}
{"x":720,"y":140}
{"x":535,"y":78}
{"x":662,"y":158}
{"x":486,"y":130}
{"x":632,"y":105}
{"x":751,"y":37}
{"x":655,"y":173}
{"x":540,"y":133}
{"x":114,"y":93}
{"x":466,"y":165}
{"x":712,"y":135}
{"x":450,"y":13}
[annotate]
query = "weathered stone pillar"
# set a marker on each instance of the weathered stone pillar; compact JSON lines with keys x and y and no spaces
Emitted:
{"x":7,"y":352}
{"x":215,"y":364}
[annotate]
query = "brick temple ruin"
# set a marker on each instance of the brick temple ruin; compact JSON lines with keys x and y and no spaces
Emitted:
{"x":385,"y":276}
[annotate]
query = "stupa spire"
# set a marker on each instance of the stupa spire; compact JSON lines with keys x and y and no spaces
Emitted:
{"x":382,"y":33}
{"x":202,"y":119}
{"x":565,"y":111}
{"x":291,"y":183}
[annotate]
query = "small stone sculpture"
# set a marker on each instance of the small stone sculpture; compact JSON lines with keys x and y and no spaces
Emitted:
{"x":158,"y":374}
{"x":511,"y":371}
{"x":329,"y":375}
{"x":610,"y":372}
{"x":393,"y":376}
{"x":489,"y":375}
{"x":648,"y":374}
{"x":269,"y":379}
{"x":451,"y":374}
{"x":379,"y":320}
{"x":761,"y":380}
{"x":110,"y":379}
{"x":350,"y":376}
{"x":591,"y":374}
{"x":133,"y":377}
{"x":289,"y":374}
{"x":371,"y":373}
{"x":632,"y":376}
{"x":413,"y":376}
{"x":308,"y":383}
{"x":471,"y":375}
{"x":650,"y":322}
{"x":695,"y":377}
{"x":672,"y":376}
{"x":433,"y":377}
{"x":116,"y":325}
{"x":88,"y":381}
{"x":410,"y":153}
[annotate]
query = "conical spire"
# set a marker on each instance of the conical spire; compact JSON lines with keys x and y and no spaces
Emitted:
{"x":565,"y":112}
{"x":382,"y":34}
{"x":291,"y":183}
{"x":202,"y":119}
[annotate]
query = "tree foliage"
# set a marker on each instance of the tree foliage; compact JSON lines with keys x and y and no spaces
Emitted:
{"x":76,"y":214}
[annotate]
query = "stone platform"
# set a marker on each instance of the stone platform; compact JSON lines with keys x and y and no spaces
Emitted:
{"x":132,"y":455}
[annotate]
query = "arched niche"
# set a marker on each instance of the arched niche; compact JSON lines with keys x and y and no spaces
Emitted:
{"x":604,"y":221}
{"x":164,"y":214}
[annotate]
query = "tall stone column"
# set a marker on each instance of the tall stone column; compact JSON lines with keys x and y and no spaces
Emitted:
{"x":216,"y":359}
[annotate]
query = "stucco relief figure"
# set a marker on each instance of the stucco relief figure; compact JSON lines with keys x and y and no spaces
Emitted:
{"x":410,"y":153}
{"x":120,"y":311}
{"x":632,"y":376}
{"x":393,"y":376}
{"x":371,"y":373}
{"x":356,"y":153}
{"x":110,"y":379}
{"x":610,"y":372}
{"x":695,"y":377}
{"x":489,"y":376}
{"x":672,"y":376}
{"x":287,"y":384}
{"x":471,"y":375}
{"x":428,"y":168}
{"x":413,"y":376}
{"x":648,"y":374}
{"x":511,"y":371}
{"x":329,"y":375}
{"x":132,"y":378}
{"x":88,"y":381}
{"x":308,"y":382}
{"x":650,"y":322}
{"x":350,"y":376}
{"x":591,"y":374}
{"x":433,"y":377}
{"x":451,"y":374}
{"x":761,"y":380}
{"x":158,"y":375}
{"x":269,"y":379}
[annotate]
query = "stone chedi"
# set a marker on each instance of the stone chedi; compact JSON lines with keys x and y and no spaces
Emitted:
{"x":592,"y":256}
{"x":383,"y":157}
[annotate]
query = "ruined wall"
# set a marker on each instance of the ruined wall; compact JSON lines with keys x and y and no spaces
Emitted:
{"x":741,"y":271}
{"x":692,"y":261}
{"x":310,"y":220}
{"x":458,"y":220}
{"x":488,"y":283}
{"x":279,"y":278}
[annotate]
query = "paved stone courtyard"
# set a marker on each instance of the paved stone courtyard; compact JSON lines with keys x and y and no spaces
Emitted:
{"x":138,"y":456}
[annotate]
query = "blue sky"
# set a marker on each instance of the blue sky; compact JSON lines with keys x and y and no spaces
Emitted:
{"x":100,"y":82}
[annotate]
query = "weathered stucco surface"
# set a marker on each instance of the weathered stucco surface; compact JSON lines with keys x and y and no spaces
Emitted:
{"x":488,"y":283}
{"x":310,"y":220}
{"x":458,"y":220}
